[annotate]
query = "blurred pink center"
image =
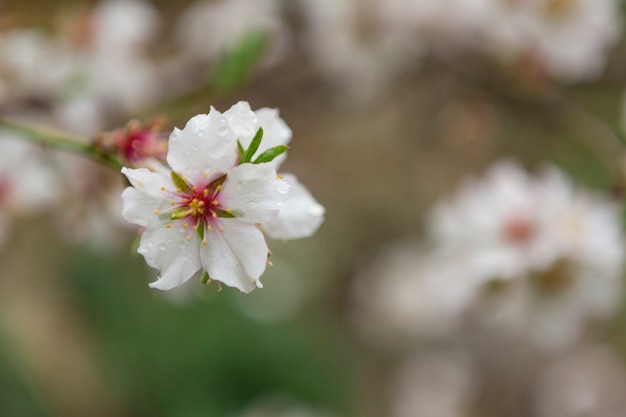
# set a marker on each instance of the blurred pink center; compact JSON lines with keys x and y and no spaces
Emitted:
{"x":519,"y":231}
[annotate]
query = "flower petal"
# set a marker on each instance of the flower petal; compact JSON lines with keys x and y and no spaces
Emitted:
{"x":243,"y":122}
{"x":169,"y":251}
{"x":148,"y":181}
{"x":142,"y":204}
{"x":254,"y":190}
{"x":206,"y":145}
{"x":236,"y":256}
{"x":301,"y":215}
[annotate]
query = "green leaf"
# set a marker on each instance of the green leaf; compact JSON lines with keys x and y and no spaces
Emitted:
{"x":242,"y":151}
{"x":270,"y":154}
{"x":254,"y":146}
{"x":238,"y":64}
{"x":206,"y":279}
{"x":180,"y":183}
{"x":230,"y":214}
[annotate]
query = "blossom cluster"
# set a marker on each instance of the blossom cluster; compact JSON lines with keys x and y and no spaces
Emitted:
{"x":514,"y":269}
{"x":209,"y":210}
{"x":369,"y":43}
{"x":532,"y":257}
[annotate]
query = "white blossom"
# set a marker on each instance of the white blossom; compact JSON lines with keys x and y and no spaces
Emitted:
{"x":206,"y":214}
{"x":555,"y":253}
{"x":568,"y":39}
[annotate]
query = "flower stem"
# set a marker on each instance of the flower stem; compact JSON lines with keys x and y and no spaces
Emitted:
{"x":60,"y":140}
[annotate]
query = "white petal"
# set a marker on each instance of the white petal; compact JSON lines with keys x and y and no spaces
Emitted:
{"x":243,"y":122}
{"x":255,"y":191}
{"x":140,"y":208}
{"x":169,"y":251}
{"x":149,"y":182}
{"x":301,"y":215}
{"x":143,"y":204}
{"x":236,"y":256}
{"x":206,"y":145}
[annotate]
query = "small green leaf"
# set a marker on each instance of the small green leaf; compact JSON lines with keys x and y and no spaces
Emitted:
{"x":200,"y":229}
{"x":270,"y":154}
{"x":180,"y":183}
{"x":230,"y":214}
{"x":254,"y":146}
{"x":242,"y":151}
{"x":206,"y":279}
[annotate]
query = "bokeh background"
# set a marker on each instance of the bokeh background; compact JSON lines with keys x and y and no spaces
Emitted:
{"x":392,"y":106}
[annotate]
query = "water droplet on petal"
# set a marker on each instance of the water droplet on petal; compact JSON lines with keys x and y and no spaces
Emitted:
{"x":162,"y":247}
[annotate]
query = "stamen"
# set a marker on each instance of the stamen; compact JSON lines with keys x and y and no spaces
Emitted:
{"x":162,"y":188}
{"x":222,"y":229}
{"x":168,"y":226}
{"x":270,"y":263}
{"x":229,"y":210}
{"x":157,"y":212}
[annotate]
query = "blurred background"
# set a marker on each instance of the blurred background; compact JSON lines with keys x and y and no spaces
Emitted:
{"x":471,"y":159}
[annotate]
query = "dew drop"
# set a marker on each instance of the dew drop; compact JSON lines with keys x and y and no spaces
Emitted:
{"x":223,"y":131}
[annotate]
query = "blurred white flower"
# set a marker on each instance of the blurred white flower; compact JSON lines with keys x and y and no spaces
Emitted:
{"x":433,"y":384}
{"x":206,"y":29}
{"x":32,"y":65}
{"x":122,"y":27}
{"x":111,"y":73}
{"x":28,"y":184}
{"x":349,"y":42}
{"x":590,"y":381}
{"x":568,"y":39}
{"x":405,"y":293}
{"x":554,"y":253}
{"x":94,"y":218}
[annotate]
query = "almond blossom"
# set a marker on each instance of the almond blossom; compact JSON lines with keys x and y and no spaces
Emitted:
{"x":206,"y":211}
{"x":550,"y":255}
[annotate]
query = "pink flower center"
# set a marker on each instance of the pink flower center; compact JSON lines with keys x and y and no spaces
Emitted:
{"x":198,"y":208}
{"x":519,"y":231}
